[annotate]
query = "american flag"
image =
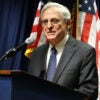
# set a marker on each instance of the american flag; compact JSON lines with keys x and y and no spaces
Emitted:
{"x":36,"y":32}
{"x":89,"y":27}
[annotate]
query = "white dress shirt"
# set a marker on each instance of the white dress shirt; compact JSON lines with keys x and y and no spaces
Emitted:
{"x":59,"y":47}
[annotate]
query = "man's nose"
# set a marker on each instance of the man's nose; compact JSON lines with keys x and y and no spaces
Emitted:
{"x":49,"y":25}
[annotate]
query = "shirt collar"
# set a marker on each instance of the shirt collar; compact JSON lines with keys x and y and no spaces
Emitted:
{"x":61,"y":44}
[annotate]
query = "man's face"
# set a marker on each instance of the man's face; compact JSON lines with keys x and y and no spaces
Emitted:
{"x":53,"y":26}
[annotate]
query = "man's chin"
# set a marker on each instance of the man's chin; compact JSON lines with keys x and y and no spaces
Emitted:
{"x":51,"y":39}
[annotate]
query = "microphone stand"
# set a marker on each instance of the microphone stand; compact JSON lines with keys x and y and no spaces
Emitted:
{"x":13,"y":51}
{"x":9,"y":53}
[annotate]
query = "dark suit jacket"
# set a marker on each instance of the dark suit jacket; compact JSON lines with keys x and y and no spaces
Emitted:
{"x":76,"y":69}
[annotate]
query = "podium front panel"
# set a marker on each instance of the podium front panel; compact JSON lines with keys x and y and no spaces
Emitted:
{"x":28,"y":88}
{"x":5,"y":88}
{"x":22,"y":86}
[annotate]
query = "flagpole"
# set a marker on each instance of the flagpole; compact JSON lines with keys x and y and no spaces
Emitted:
{"x":77,"y":11}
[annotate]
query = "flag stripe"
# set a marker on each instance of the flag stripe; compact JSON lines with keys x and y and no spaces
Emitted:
{"x":92,"y":33}
{"x":86,"y":28}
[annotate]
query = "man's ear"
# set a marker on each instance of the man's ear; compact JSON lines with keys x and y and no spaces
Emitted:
{"x":68,"y":23}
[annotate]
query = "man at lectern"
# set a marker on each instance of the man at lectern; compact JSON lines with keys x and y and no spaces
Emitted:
{"x":64,"y":60}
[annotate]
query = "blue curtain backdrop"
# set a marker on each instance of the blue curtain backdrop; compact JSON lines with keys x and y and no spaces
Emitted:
{"x":16,"y":19}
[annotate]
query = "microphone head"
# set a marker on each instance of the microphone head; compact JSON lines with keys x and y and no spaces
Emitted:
{"x":31,"y":39}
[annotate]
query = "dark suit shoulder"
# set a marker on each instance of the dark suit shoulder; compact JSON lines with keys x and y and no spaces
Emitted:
{"x":41,"y":48}
{"x":80,"y":45}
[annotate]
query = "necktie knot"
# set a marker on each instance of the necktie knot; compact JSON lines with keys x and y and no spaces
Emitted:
{"x":53,"y":50}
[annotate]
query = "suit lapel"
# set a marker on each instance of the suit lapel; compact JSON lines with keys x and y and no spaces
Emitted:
{"x":43,"y":61}
{"x":66,"y":56}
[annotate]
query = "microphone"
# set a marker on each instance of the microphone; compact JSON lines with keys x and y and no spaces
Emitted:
{"x":13,"y":51}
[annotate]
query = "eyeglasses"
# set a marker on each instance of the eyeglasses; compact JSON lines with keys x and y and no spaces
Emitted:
{"x":53,"y":21}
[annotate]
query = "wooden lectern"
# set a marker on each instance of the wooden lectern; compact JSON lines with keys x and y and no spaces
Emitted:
{"x":19,"y":85}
